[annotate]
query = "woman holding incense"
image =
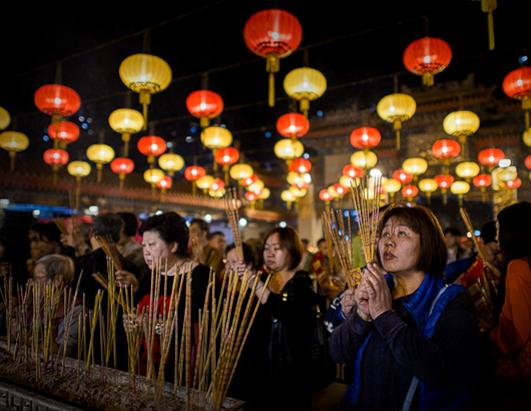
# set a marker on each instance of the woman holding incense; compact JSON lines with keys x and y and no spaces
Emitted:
{"x":287,"y":357}
{"x":165,"y":241}
{"x":412,"y":340}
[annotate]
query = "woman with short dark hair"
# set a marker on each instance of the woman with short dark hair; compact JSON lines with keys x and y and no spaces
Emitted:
{"x":411,"y":339}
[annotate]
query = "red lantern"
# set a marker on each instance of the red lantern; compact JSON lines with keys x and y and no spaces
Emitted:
{"x":490,"y":157}
{"x":246,"y":182}
{"x":122,"y":166}
{"x":151,"y":146}
{"x":57,"y":100}
{"x":227,"y":156}
{"x":339,"y":189}
{"x":217,"y":185}
{"x":165,"y":183}
{"x":427,"y":57}
{"x":365,"y":138}
{"x":204,"y":104}
{"x":300,"y":165}
{"x":55,"y":157}
{"x":402,"y":176}
{"x":250,"y":196}
{"x":352,"y":171}
{"x":65,"y":131}
{"x":192,"y":173}
{"x":410,"y":191}
{"x":324,"y":195}
{"x":514,"y":184}
{"x":482,"y":181}
{"x":444,"y":181}
{"x":528,"y":162}
{"x":445,"y":149}
{"x":272,"y":34}
{"x":517,"y":84}
{"x":293,"y":125}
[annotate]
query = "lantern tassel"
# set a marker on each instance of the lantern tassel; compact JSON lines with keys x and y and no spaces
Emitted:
{"x":122,"y":181}
{"x":12,"y":155}
{"x":78,"y":190}
{"x":445,"y":197}
{"x":226,"y":175}
{"x":99,"y":167}
{"x":397,"y":139}
{"x":491,"y":31}
{"x":427,"y":79}
{"x":145,"y":99}
{"x":204,"y":121}
{"x":526,"y":114}
{"x":193,"y":188}
{"x":271,"y":95}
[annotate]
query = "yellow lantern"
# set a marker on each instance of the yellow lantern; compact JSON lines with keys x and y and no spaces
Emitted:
{"x":527,"y":137}
{"x":171,"y":163}
{"x":460,"y":188}
{"x":305,"y":84}
{"x":396,"y":108}
{"x":14,"y":142}
{"x":467,"y":170}
{"x":78,"y":169}
{"x":415,"y":166}
{"x":265,"y":194}
{"x":288,"y":149}
{"x":5,"y":118}
{"x":204,"y":182}
{"x":256,"y":187}
{"x":298,"y":192}
{"x":461,"y":124}
{"x":428,"y":186}
{"x":153,"y":176}
{"x":347,"y":181}
{"x":363,"y":159}
{"x":215,"y":137}
{"x":241,"y":171}
{"x":297,"y":178}
{"x":288,"y":197}
{"x":126,"y":121}
{"x":391,"y":186}
{"x":216,"y":193}
{"x":145,"y":74}
{"x":100,"y":154}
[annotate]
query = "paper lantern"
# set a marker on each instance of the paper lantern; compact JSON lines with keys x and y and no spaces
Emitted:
{"x":428,"y":186}
{"x":126,"y":121}
{"x":265,"y":194}
{"x":288,"y":149}
{"x":64,"y":132}
{"x":256,"y":187}
{"x":402,"y":176}
{"x":153,"y":175}
{"x":528,"y":161}
{"x":352,"y":171}
{"x":151,"y":146}
{"x":517,"y":84}
{"x":365,"y":138}
{"x":467,"y":170}
{"x":513,"y":184}
{"x":396,"y":108}
{"x":57,"y":100}
{"x":444,"y":181}
{"x":171,"y":163}
{"x":415,"y":166}
{"x":145,"y":74}
{"x":410,"y":192}
{"x":78,"y":169}
{"x":100,"y":154}
{"x":226,"y":157}
{"x":217,"y":184}
{"x":427,"y":57}
{"x":526,"y":137}
{"x":490,"y":157}
{"x":205,"y":105}
{"x":324,"y":195}
{"x":482,"y":181}
{"x":445,"y":149}
{"x":241,"y":171}
{"x":363,"y":159}
{"x":298,"y":192}
{"x":13,"y":142}
{"x":247,"y":181}
{"x":460,"y":188}
{"x":305,"y":84}
{"x":164,"y":183}
{"x":122,"y":166}
{"x":216,"y":193}
{"x":55,"y":158}
{"x":293,"y":125}
{"x":301,"y":165}
{"x":391,"y":186}
{"x":203,"y":183}
{"x":251,"y":197}
{"x":215,"y":137}
{"x":461,"y":124}
{"x":5,"y":118}
{"x":193,"y":173}
{"x":272,"y":34}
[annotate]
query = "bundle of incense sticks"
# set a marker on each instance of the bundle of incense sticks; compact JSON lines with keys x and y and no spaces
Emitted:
{"x":232,"y":204}
{"x":366,"y":201}
{"x":110,"y":249}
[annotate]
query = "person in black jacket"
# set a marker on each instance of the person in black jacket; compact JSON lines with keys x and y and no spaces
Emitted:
{"x":412,"y":340}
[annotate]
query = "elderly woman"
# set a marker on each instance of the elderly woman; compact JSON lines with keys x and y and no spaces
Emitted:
{"x":411,"y":339}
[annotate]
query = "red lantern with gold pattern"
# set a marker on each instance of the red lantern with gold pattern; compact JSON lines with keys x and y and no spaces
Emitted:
{"x":272,"y":34}
{"x":204,"y":104}
{"x":410,"y":191}
{"x":122,"y":166}
{"x":352,"y":171}
{"x":402,"y":176}
{"x":490,"y":157}
{"x":64,"y":132}
{"x":151,"y":146}
{"x":293,"y":125}
{"x":227,"y":156}
{"x":445,"y":149}
{"x":365,"y":138}
{"x":427,"y":57}
{"x":57,"y":100}
{"x":300,"y":165}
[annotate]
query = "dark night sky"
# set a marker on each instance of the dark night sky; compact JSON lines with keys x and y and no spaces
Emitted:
{"x":207,"y":37}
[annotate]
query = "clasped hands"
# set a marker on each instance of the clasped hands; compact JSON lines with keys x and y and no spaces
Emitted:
{"x":372,"y":297}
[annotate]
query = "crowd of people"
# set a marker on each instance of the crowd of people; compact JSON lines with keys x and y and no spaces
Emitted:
{"x":437,"y":322}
